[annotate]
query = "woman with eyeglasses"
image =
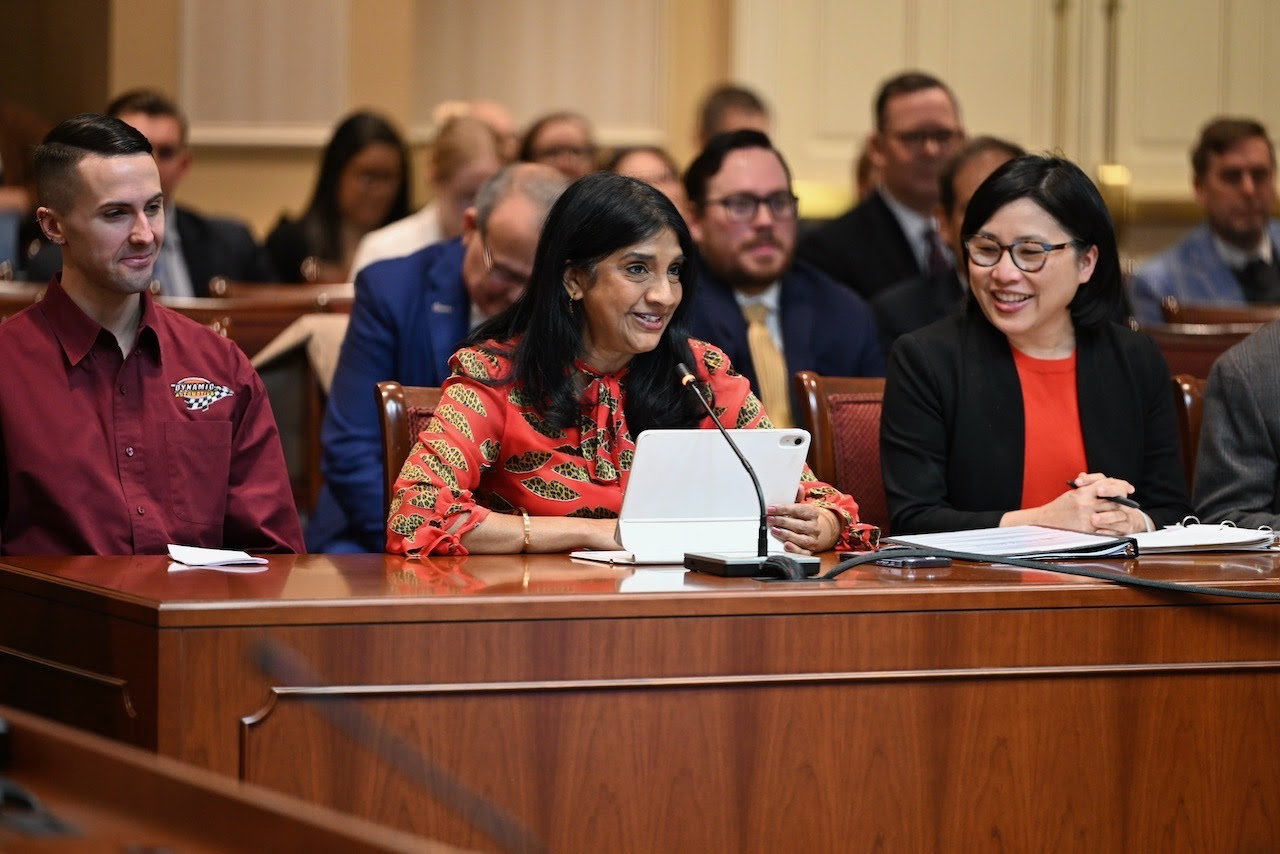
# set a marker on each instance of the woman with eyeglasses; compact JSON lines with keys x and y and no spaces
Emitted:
{"x":530,"y":448}
{"x":1032,"y":406}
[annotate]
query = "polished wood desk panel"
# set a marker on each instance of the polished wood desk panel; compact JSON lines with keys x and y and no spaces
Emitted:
{"x":119,"y":798}
{"x":611,"y":710}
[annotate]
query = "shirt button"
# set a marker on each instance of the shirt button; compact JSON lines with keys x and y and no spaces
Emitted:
{"x":142,"y":511}
{"x":122,"y":389}
{"x":128,"y":452}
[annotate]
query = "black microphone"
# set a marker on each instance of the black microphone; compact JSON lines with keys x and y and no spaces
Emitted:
{"x":762,"y":564}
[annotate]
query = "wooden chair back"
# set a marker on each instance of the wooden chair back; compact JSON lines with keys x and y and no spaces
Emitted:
{"x":842,"y":415}
{"x":1192,"y":348}
{"x":1258,"y":314}
{"x":1188,"y":405}
{"x":15,"y":296}
{"x":403,"y":412}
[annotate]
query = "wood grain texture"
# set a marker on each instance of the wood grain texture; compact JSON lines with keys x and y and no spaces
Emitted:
{"x":992,"y":709}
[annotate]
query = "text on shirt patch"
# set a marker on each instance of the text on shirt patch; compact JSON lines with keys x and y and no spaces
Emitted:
{"x":199,"y":393}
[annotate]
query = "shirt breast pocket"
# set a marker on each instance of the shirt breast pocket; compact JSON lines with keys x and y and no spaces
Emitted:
{"x":198,"y":464}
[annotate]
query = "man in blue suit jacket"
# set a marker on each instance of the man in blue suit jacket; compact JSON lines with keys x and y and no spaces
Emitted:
{"x":409,"y":316}
{"x":744,"y":221}
{"x":1231,"y":258}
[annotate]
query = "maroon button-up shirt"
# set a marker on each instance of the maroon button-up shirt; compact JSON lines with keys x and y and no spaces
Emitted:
{"x":104,"y":453}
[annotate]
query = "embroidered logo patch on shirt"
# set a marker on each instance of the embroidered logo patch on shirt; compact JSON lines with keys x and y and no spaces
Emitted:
{"x":199,"y":393}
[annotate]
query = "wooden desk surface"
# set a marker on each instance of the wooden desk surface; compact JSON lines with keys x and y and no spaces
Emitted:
{"x":612,"y":709}
{"x":118,"y":798}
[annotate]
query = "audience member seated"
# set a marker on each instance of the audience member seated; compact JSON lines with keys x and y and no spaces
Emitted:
{"x":561,"y":140}
{"x":921,"y":300}
{"x":21,"y":129}
{"x":655,"y":167}
{"x":1032,"y":407}
{"x":1238,"y":467}
{"x":730,"y":107}
{"x":892,"y":235}
{"x":409,"y":315}
{"x":772,"y":315}
{"x":197,"y":248}
{"x":866,"y":177}
{"x":530,"y":449}
{"x":124,"y":426}
{"x":363,"y":185}
{"x":498,"y":117}
{"x":1231,"y":257}
{"x":465,"y":154}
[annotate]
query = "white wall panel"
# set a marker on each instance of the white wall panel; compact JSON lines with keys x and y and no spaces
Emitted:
{"x":605,"y":60}
{"x":263,"y":71}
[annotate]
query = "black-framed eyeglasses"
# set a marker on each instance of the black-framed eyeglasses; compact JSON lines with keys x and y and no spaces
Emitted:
{"x":1029,"y":256}
{"x":742,"y":207}
{"x":916,"y":139}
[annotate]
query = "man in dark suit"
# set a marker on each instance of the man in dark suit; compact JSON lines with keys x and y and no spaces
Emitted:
{"x":927,"y":297}
{"x":197,"y":248}
{"x":892,"y":235}
{"x":744,"y":221}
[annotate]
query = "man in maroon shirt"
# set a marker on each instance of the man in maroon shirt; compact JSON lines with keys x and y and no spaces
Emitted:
{"x":124,"y":426}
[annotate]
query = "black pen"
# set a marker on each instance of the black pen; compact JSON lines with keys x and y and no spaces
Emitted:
{"x":1118,"y":499}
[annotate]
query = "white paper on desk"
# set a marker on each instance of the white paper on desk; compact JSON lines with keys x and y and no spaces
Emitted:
{"x":1030,"y":541}
{"x":1204,"y":538}
{"x":231,"y":569}
{"x":212,"y":558}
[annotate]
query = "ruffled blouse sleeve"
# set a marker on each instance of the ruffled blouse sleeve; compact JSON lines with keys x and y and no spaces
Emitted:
{"x":736,"y":406}
{"x":433,"y":503}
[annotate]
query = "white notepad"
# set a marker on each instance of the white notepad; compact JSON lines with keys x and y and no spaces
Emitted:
{"x":688,"y":492}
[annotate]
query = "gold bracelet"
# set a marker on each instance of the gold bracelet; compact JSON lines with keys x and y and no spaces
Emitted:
{"x":528,"y":530}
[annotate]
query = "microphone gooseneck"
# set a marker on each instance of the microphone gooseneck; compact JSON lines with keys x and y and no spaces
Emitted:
{"x":689,"y":381}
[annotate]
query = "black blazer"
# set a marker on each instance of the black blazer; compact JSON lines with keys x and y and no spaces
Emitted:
{"x":864,"y":248}
{"x":951,"y":432}
{"x":215,"y":246}
{"x":917,"y":302}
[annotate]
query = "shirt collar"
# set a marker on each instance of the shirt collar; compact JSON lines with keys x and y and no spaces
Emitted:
{"x":913,"y":224}
{"x":1237,"y":258}
{"x":768,"y":297}
{"x":77,"y":332}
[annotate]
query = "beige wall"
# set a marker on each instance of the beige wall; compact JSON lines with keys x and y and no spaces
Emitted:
{"x":267,"y":79}
{"x":258,"y":180}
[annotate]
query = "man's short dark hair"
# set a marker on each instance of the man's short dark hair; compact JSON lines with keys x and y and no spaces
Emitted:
{"x":60,"y":153}
{"x":1221,"y":135}
{"x":904,"y":84}
{"x":973,"y":148}
{"x":723,"y":99}
{"x":707,"y":164}
{"x":149,"y":102}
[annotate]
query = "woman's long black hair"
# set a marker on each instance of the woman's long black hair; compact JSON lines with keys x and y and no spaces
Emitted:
{"x":322,"y":221}
{"x":596,"y":216}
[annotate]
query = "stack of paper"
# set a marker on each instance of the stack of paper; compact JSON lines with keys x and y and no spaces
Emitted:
{"x":1204,"y":538}
{"x":1030,"y":541}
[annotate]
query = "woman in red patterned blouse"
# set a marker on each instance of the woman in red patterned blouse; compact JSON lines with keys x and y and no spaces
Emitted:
{"x":531,"y":445}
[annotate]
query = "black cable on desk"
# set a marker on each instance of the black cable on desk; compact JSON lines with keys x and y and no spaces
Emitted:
{"x":1063,"y":568}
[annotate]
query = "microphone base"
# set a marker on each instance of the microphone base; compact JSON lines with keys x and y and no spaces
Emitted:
{"x":746,"y":565}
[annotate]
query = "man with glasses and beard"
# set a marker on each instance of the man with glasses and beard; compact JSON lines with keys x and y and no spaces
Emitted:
{"x":408,"y":317}
{"x":771,"y":315}
{"x":892,"y":235}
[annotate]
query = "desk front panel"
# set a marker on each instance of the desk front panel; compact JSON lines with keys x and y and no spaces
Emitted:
{"x":670,"y":712}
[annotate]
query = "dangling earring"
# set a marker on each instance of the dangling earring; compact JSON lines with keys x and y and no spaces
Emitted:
{"x":573,"y":306}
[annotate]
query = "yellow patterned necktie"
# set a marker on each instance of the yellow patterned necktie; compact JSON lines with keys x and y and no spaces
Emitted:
{"x":771,"y":368}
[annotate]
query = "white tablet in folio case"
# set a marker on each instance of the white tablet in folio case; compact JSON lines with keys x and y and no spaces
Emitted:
{"x":688,"y":492}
